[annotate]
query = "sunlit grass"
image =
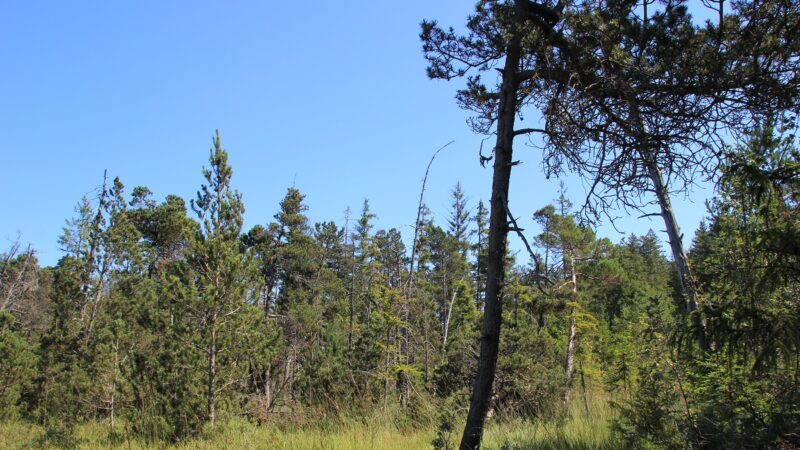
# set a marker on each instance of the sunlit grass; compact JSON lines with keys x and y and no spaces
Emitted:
{"x":576,"y":430}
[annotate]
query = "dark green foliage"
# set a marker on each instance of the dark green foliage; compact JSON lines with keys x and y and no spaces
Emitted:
{"x":227,"y":327}
{"x":445,"y":433}
{"x":743,"y":393}
{"x":654,"y":410}
{"x":17,"y":367}
{"x":156,"y":324}
{"x":530,"y":370}
{"x":747,"y":259}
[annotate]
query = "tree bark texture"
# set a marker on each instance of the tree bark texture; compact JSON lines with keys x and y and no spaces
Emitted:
{"x":498,"y":232}
{"x":572,"y":332}
{"x":678,"y":251}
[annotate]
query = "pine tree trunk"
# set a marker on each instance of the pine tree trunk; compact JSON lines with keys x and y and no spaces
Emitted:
{"x":113,"y":387}
{"x":267,"y":390}
{"x":387,"y":367}
{"x":212,"y":375}
{"x":498,"y":232}
{"x":351,"y":295}
{"x":448,"y":315}
{"x":427,"y":355}
{"x":478,"y":272}
{"x":571,"y":335}
{"x":679,"y":254}
{"x":570,"y":364}
{"x":583,"y":389}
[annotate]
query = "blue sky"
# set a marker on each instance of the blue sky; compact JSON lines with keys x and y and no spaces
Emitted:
{"x":329,"y":96}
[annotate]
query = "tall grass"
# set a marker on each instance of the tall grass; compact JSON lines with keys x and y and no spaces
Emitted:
{"x":575,"y":430}
{"x":578,"y":429}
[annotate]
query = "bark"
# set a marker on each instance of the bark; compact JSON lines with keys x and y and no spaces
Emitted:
{"x":351,"y":294}
{"x":98,"y":297}
{"x":688,"y":288}
{"x":388,"y":366}
{"x":211,"y":391}
{"x":267,"y":390}
{"x":679,"y":254}
{"x":443,"y":311}
{"x":113,"y":388}
{"x":268,"y":290}
{"x":571,"y":335}
{"x":427,"y":348}
{"x":20,"y":275}
{"x":583,"y":389}
{"x":287,"y":375}
{"x":448,"y":314}
{"x":498,"y":232}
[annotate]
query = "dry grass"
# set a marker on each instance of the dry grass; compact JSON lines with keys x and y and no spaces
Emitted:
{"x":576,"y":431}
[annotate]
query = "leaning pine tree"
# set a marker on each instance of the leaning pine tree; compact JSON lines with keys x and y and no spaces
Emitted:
{"x":498,"y":32}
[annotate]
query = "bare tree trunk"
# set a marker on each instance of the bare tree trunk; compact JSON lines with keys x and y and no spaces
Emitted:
{"x":211,"y":380}
{"x":409,"y":284}
{"x":583,"y":389}
{"x":447,"y":321}
{"x":97,"y":297}
{"x":287,"y":375}
{"x":427,"y":348}
{"x":478,"y":272}
{"x":351,"y":299}
{"x":268,"y":389}
{"x":28,"y":255}
{"x":268,"y":289}
{"x":113,"y":387}
{"x":498,"y":233}
{"x":388,"y":365}
{"x":571,"y":335}
{"x":678,"y":251}
{"x":94,"y":247}
{"x":443,"y":313}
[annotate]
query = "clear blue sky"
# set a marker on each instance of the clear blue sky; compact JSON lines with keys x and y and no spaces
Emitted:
{"x":329,"y":96}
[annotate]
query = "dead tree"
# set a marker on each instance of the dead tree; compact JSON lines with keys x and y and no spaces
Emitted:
{"x":408,"y":285}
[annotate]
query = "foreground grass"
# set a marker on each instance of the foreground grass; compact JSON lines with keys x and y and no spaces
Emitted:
{"x":577,"y":430}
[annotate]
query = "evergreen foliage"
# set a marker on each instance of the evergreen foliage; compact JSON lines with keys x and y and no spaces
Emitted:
{"x":157,"y":326}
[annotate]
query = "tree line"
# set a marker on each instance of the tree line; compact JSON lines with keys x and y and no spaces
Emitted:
{"x":165,"y":317}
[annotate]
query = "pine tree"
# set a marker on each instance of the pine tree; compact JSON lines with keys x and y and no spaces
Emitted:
{"x":574,"y":245}
{"x":222,"y":273}
{"x":479,"y":253}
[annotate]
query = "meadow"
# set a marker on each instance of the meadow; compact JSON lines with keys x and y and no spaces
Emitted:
{"x":576,"y":430}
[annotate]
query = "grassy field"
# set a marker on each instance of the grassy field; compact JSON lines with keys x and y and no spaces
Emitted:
{"x":576,"y":431}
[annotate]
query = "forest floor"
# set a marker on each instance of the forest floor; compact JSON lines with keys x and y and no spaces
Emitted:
{"x":577,"y":430}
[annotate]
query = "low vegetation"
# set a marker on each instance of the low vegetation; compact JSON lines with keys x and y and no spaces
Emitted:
{"x":575,"y":430}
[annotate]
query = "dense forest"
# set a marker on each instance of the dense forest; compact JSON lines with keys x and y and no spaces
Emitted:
{"x":165,"y":319}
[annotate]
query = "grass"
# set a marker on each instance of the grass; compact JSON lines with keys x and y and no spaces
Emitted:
{"x":584,"y":427}
{"x":577,"y":430}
